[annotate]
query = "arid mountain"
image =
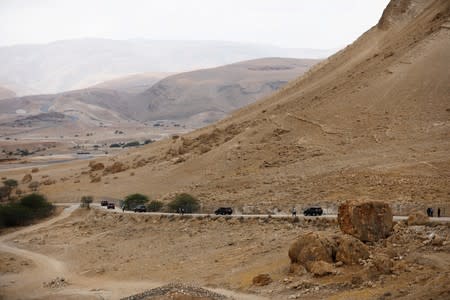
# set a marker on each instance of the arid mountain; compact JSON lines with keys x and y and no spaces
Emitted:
{"x":77,"y":64}
{"x":6,"y":93}
{"x":372,"y":121}
{"x":195,"y":98}
{"x":204,"y":96}
{"x":134,"y":84}
{"x":88,"y":106}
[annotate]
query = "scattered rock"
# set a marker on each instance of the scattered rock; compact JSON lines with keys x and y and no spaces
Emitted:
{"x":96,"y":166}
{"x":48,"y":182}
{"x":56,"y":283}
{"x":34,"y":170}
{"x":27,"y":178}
{"x":297,"y":269}
{"x":177,"y":291}
{"x":320,"y":268}
{"x":382,"y":263}
{"x":115,"y":168}
{"x":95,"y":179}
{"x":368,"y":221}
{"x":418,"y":218}
{"x":262,"y":280}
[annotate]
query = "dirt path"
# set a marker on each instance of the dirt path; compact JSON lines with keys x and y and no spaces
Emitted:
{"x":29,"y":284}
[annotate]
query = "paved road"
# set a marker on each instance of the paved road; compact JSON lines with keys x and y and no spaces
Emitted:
{"x":282,"y":216}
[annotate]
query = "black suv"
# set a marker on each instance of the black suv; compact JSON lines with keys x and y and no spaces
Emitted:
{"x":224,"y":211}
{"x":111,"y":206}
{"x":140,"y":208}
{"x":313,"y":211}
{"x":104,"y":203}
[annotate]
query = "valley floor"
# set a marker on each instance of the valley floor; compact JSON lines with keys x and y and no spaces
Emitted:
{"x":100,"y":254}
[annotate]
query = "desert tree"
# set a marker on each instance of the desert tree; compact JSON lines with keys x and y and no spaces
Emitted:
{"x":86,"y":201}
{"x":185,"y":202}
{"x":133,"y":200}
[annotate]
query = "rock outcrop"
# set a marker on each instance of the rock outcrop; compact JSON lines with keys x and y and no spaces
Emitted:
{"x":95,"y":166}
{"x":418,"y":218}
{"x":316,"y":251}
{"x":262,"y":280}
{"x":368,"y":221}
{"x":27,"y":178}
{"x":320,"y":268}
{"x":351,"y":250}
{"x":312,"y":246}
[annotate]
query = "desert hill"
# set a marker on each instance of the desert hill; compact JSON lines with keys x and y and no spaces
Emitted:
{"x":6,"y":93}
{"x":371,"y":121}
{"x":204,"y":96}
{"x":92,"y":105}
{"x":77,"y":64}
{"x":195,"y":98}
{"x":134,"y":84}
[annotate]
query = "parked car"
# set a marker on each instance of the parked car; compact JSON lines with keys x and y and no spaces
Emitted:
{"x":110,"y":206}
{"x":104,"y":203}
{"x":140,"y":208}
{"x":313,"y":211}
{"x":224,"y":211}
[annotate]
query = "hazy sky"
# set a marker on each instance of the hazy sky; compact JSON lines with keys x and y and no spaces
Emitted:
{"x":288,"y":23}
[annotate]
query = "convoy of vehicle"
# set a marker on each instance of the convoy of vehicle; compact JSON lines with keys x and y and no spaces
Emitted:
{"x":310,"y":211}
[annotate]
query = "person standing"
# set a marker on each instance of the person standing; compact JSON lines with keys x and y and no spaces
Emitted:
{"x":431,"y":212}
{"x":439,"y":212}
{"x":294,"y":212}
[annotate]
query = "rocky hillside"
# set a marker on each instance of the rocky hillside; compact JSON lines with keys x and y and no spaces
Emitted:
{"x":204,"y":96}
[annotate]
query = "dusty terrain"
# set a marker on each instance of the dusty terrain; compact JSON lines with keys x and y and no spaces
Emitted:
{"x":104,"y":254}
{"x":372,"y":121}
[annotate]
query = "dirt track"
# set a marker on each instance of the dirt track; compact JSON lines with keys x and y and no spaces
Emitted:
{"x":46,"y":268}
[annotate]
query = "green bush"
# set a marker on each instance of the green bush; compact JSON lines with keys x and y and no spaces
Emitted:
{"x":184,"y":201}
{"x":86,"y":201}
{"x":38,"y":204}
{"x":155,"y":206}
{"x":133,"y":200}
{"x":15,"y":214}
{"x":30,"y":207}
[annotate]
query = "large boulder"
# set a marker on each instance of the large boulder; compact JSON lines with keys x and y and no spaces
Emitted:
{"x":312,"y":246}
{"x":368,"y":221}
{"x":351,"y":250}
{"x":418,"y":218}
